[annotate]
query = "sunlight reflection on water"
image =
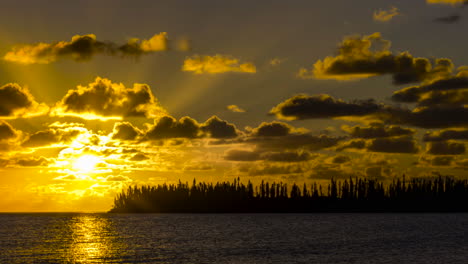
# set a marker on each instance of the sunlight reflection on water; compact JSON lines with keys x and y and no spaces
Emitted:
{"x":92,"y":239}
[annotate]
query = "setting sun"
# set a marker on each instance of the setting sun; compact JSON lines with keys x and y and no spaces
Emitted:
{"x":86,"y":163}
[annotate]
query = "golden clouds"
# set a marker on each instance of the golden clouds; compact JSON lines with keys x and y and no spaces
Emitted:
{"x":216,"y":64}
{"x":135,"y":46}
{"x":367,"y":56}
{"x":84,"y":47}
{"x":447,"y":2}
{"x":385,"y":15}
{"x":17,"y":101}
{"x":235,"y":109}
{"x":104,"y":99}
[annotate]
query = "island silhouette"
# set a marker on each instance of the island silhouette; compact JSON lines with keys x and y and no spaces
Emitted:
{"x":438,"y":194}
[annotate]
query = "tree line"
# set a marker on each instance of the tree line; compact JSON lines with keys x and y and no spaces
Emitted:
{"x":438,"y":194}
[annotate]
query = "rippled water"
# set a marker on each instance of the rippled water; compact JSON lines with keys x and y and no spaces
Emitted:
{"x":234,"y":238}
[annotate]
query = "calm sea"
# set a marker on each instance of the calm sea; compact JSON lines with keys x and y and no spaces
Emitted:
{"x":234,"y":238}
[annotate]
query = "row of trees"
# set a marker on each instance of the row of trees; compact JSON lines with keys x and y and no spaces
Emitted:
{"x":351,"y":195}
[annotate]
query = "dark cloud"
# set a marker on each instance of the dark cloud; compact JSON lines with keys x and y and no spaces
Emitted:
{"x":18,"y":101}
{"x":217,"y":128}
{"x":448,"y":19}
{"x":299,"y":141}
{"x":352,"y":144}
{"x":378,"y":131}
{"x":441,"y":161}
{"x":273,"y":169}
{"x":460,"y":134}
{"x":446,"y":148}
{"x":339,"y":159}
{"x":331,"y":171}
{"x":7,"y":131}
{"x":434,"y":117}
{"x":324,"y":106}
{"x":125,"y":131}
{"x":287,"y":156}
{"x":273,"y":129}
{"x":84,"y":47}
{"x":33,"y":162}
{"x":104,"y":99}
{"x":139,"y":157}
{"x":451,"y":90}
{"x":186,"y":127}
{"x":51,"y":136}
{"x":393,"y":145}
{"x":169,"y":127}
{"x":363,"y":57}
{"x":242,"y":155}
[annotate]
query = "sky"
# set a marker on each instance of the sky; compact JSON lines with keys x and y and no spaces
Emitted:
{"x":96,"y":96}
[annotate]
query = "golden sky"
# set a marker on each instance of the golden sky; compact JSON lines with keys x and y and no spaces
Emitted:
{"x":96,"y":96}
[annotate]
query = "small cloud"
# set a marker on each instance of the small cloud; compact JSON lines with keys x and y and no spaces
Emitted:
{"x":276,"y":61}
{"x":235,"y":109}
{"x":216,"y":64}
{"x":385,"y":15}
{"x":452,"y":19}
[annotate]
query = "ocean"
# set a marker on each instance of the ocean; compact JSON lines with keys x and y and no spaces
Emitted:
{"x":233,"y":238}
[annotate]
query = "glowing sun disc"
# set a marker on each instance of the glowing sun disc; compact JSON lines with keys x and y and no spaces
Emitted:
{"x":86,"y":163}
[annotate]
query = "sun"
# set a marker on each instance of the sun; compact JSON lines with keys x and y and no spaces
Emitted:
{"x":86,"y":163}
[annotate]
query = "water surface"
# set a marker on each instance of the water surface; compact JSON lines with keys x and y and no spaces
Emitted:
{"x":234,"y":238}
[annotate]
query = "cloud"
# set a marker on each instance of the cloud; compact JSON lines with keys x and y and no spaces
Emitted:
{"x":136,"y":47}
{"x":449,"y":90}
{"x":367,"y":56}
{"x":7,"y":132}
{"x":448,"y":19}
{"x":287,"y":156}
{"x":139,"y":157}
{"x":242,"y":155}
{"x":438,"y":160}
{"x":393,"y":145}
{"x":125,"y":131}
{"x":17,"y":101}
{"x":169,"y":127}
{"x":334,"y":171}
{"x":340,"y":159}
{"x":399,"y":144}
{"x":435,"y":117}
{"x":385,"y":15}
{"x":52,"y":136}
{"x":217,"y":128}
{"x":301,"y":107}
{"x":235,"y":109}
{"x":378,"y":131}
{"x":294,"y":141}
{"x":447,"y":134}
{"x":323,"y":106}
{"x":82,"y":48}
{"x":446,"y":148}
{"x":33,"y":162}
{"x":216,"y":64}
{"x":447,"y":2}
{"x":273,"y":129}
{"x":187,"y":127}
{"x":104,"y":99}
{"x":352,"y":144}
